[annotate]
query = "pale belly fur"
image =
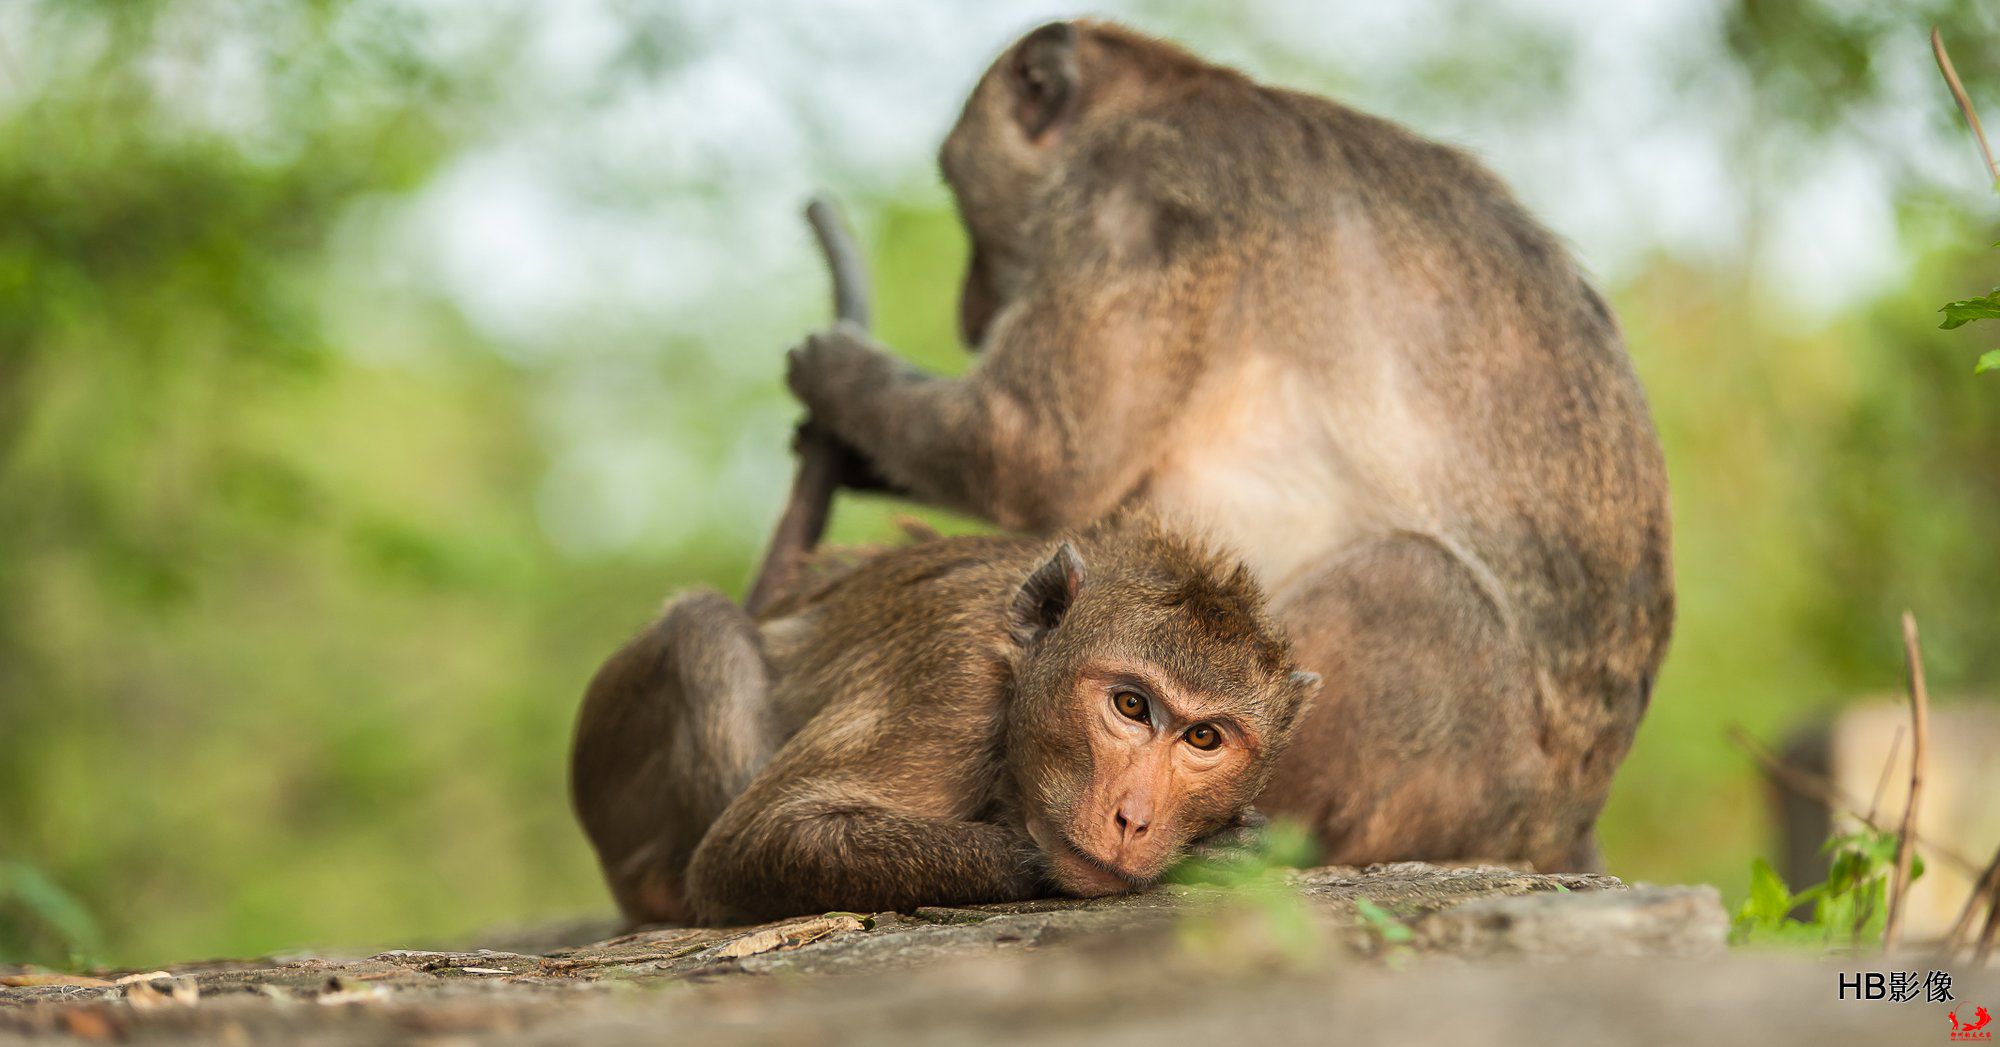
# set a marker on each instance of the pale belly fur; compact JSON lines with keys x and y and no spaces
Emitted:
{"x":1271,"y":471}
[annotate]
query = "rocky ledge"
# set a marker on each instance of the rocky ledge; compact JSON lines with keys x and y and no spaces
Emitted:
{"x":1485,"y":953}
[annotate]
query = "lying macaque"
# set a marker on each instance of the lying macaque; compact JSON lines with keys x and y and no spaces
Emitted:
{"x":962,"y":720}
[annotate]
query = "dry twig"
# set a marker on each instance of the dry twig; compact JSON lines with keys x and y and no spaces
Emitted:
{"x":1987,"y":890}
{"x":1888,"y":771}
{"x":1820,"y":790}
{"x":1899,"y":885}
{"x":1964,"y":103}
{"x":811,"y":500}
{"x":1988,"y":936}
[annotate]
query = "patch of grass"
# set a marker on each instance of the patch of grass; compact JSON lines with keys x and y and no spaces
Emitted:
{"x":1257,"y":911}
{"x":1261,"y":855}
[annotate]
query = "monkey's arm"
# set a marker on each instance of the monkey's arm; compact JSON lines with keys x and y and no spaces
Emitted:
{"x":1056,"y":425}
{"x":821,"y":855}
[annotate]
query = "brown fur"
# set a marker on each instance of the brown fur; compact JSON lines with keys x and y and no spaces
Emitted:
{"x":1349,"y":354}
{"x":917,"y":728}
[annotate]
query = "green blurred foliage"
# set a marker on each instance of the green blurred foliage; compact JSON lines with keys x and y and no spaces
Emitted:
{"x":278,"y":639}
{"x":287,"y":658}
{"x":1825,"y":476}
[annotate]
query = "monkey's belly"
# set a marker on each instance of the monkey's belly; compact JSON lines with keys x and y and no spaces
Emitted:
{"x":1281,"y":471}
{"x":1269,"y":521}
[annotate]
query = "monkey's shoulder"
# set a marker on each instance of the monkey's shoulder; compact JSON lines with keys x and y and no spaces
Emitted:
{"x":930,"y":615}
{"x":893,"y":578}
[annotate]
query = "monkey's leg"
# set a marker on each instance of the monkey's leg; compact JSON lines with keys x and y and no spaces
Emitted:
{"x":818,"y":854}
{"x":674,"y":727}
{"x":1430,"y":738}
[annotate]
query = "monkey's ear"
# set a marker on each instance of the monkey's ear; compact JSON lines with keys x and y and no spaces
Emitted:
{"x":1045,"y":79}
{"x":1045,"y":597}
{"x":1305,"y":690}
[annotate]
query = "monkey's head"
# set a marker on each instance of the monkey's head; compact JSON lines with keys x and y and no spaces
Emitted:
{"x":1023,"y":124}
{"x":1153,"y":697}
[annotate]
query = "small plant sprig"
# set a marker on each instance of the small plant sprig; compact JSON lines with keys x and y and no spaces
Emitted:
{"x":1852,"y":905}
{"x":1987,"y":306}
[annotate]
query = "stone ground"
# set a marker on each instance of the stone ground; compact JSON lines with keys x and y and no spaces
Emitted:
{"x":1395,"y":953}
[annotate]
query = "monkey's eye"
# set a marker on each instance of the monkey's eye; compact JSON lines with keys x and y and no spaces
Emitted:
{"x":1132,"y":706}
{"x":1203,"y":736}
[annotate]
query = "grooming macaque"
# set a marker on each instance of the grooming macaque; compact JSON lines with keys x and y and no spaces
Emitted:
{"x":960,"y":720}
{"x":1346,"y":353}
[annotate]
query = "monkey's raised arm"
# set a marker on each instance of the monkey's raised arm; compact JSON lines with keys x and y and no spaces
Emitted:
{"x":1093,"y":291}
{"x":1059,"y":421}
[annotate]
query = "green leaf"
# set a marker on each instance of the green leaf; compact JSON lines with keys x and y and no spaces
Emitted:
{"x":1877,"y":848}
{"x":1958,"y":314}
{"x":1988,"y":361}
{"x":1770,"y":899}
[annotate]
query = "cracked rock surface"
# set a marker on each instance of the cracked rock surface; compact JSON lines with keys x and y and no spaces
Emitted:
{"x":1490,"y":954}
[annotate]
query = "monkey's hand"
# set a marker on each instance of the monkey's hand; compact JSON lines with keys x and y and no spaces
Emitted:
{"x":852,"y":469}
{"x":834,"y":371}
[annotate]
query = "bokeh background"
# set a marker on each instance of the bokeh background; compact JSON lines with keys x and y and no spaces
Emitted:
{"x":370,"y":368}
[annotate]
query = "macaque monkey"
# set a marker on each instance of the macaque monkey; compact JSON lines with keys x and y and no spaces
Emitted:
{"x":1344,"y":352}
{"x":961,"y":720}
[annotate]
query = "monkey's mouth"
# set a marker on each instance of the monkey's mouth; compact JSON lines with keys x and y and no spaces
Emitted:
{"x":1079,"y":872}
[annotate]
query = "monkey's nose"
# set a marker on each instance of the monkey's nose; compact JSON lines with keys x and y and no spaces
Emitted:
{"x":1131,"y":820}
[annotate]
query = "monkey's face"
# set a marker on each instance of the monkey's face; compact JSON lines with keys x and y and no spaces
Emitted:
{"x":1151,"y":702}
{"x":1140,"y":766}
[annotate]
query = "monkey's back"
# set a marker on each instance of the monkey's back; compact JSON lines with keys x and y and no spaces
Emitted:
{"x":1560,"y":485}
{"x":1402,"y":348}
{"x":900,"y":648}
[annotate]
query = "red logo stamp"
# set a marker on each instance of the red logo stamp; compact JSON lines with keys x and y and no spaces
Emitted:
{"x":1974,"y":1029}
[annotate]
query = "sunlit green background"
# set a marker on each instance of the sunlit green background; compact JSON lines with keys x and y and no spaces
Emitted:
{"x":369,"y":369}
